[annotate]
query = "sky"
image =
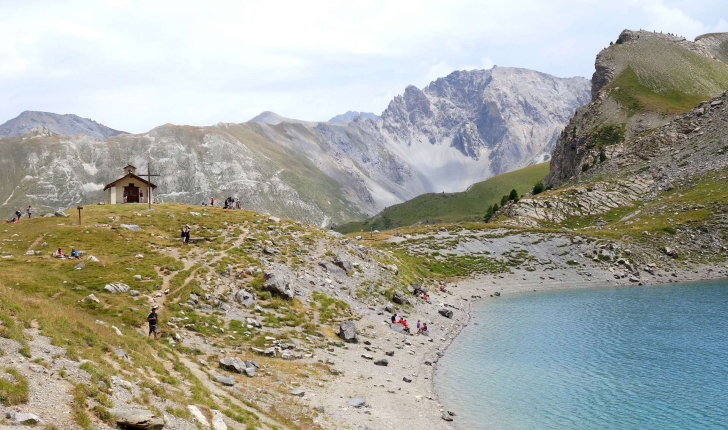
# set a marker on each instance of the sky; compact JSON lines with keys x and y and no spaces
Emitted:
{"x":137,"y":65}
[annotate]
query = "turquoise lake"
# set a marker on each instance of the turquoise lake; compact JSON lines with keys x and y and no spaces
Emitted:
{"x":611,"y":358}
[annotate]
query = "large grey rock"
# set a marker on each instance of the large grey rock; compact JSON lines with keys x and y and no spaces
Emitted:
{"x":398,"y":297}
{"x":132,"y":227}
{"x":357,"y":402}
{"x":245,"y":298}
{"x":297,"y":392}
{"x":198,"y":416}
{"x":331,"y":267}
{"x":218,"y":420}
{"x":26,"y":418}
{"x":232,"y":364}
{"x":382,"y":362}
{"x":137,"y":419}
{"x":279,"y":284}
{"x":447,"y":313}
{"x":225,"y":380}
{"x":344,"y":264}
{"x":347,"y":331}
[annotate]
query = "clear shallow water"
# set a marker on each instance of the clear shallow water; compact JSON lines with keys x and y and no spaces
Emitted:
{"x":617,"y":358}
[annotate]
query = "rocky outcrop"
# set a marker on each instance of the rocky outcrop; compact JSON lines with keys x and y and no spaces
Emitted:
{"x":628,"y":84}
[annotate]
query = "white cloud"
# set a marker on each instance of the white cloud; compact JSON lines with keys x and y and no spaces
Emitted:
{"x":135,"y":65}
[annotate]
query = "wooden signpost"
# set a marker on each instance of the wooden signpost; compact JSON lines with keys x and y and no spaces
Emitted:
{"x":79,"y":214}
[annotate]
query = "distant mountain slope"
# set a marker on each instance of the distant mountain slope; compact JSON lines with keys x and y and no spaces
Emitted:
{"x":67,"y":125}
{"x":353,"y":114}
{"x":643,"y":81}
{"x":459,"y":130}
{"x":469,"y":205}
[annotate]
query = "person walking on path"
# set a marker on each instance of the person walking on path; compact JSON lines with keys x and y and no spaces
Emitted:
{"x":187,"y":234}
{"x":152,"y":318}
{"x":29,"y":211}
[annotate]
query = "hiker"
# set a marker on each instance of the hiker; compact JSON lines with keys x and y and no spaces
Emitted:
{"x":394,"y":319}
{"x":423,"y":330}
{"x":187,"y":234}
{"x":74,"y":253}
{"x":237,"y":203}
{"x":29,"y":211}
{"x":404,"y":325}
{"x":58,"y":253}
{"x":126,"y":195}
{"x":212,"y":201}
{"x":418,"y":326}
{"x":17,"y":216}
{"x":152,"y":318}
{"x":183,"y":235}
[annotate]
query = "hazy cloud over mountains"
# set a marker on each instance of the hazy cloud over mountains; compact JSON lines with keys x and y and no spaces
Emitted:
{"x":133,"y":65}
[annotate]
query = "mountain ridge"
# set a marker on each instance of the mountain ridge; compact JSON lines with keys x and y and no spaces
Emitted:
{"x":64,"y":124}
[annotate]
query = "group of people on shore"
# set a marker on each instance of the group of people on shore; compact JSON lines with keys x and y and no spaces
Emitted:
{"x":421,"y":327}
{"x":17,"y":215}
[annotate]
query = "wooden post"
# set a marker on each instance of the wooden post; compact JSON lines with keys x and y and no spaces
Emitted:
{"x":79,"y":214}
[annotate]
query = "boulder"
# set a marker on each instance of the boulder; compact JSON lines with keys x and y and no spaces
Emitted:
{"x":357,"y":402}
{"x":382,"y":362}
{"x":137,"y":419}
{"x":198,"y":416}
{"x":346,"y":265}
{"x":250,"y":372}
{"x":218,"y":421}
{"x":279,"y":284}
{"x":497,"y":294}
{"x":331,"y":267}
{"x":297,"y":392}
{"x":132,"y":227}
{"x":672,"y":252}
{"x":232,"y":364}
{"x":398,"y":297}
{"x":224,"y":380}
{"x":394,"y":269}
{"x":60,"y":214}
{"x":406,"y":379}
{"x":389,"y":353}
{"x":26,"y":418}
{"x":274,"y":219}
{"x":79,"y":266}
{"x":270,"y":251}
{"x":447,"y":313}
{"x":251,"y":363}
{"x":245,"y":298}
{"x":347,"y":331}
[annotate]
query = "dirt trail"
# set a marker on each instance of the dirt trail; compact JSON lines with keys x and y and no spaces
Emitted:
{"x":215,"y":389}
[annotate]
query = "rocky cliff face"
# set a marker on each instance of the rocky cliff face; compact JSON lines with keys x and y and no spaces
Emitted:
{"x":642,"y":82}
{"x":457,"y":131}
{"x":474,"y":124}
{"x":60,"y":124}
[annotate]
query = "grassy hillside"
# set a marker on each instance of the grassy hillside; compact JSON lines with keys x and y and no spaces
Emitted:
{"x":468,"y":205}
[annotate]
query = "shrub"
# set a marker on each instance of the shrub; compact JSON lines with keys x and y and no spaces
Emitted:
{"x":538,"y":188}
{"x":488,"y":214}
{"x":602,"y":156}
{"x":14,"y":393}
{"x":585,"y":167}
{"x":504,"y":200}
{"x":514,"y":195}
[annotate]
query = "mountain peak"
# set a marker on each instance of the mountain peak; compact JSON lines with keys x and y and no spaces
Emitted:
{"x":65,"y":124}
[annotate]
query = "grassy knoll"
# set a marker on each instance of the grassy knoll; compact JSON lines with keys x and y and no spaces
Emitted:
{"x":468,"y":205}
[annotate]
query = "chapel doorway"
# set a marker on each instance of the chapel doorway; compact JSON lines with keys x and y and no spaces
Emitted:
{"x":132,"y":194}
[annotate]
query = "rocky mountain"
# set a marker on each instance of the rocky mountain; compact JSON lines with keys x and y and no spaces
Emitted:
{"x":67,"y":125}
{"x":641,"y":82}
{"x":348,"y":116}
{"x":459,"y":130}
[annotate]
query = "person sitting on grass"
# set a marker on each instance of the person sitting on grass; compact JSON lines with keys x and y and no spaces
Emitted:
{"x":74,"y":253}
{"x":423,"y":329}
{"x":58,"y":253}
{"x":394,"y":319}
